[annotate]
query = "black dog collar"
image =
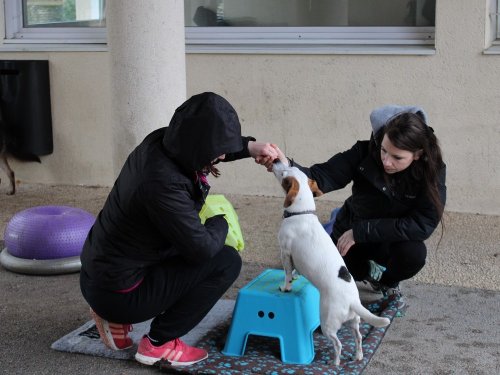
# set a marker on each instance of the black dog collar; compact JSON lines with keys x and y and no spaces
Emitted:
{"x":287,"y":214}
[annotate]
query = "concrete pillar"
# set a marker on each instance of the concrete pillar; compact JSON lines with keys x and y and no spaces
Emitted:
{"x":148,"y":68}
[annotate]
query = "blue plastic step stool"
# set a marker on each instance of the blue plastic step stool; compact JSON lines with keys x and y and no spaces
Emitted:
{"x":262,"y":309}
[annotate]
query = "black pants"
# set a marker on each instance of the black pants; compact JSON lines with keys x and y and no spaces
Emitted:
{"x":177,"y":294}
{"x":403,"y":260}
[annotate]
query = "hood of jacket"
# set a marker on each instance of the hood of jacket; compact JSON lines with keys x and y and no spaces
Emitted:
{"x":380,"y":116}
{"x":202,"y":128}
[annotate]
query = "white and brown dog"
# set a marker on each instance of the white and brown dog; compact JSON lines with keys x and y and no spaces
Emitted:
{"x":308,"y":249}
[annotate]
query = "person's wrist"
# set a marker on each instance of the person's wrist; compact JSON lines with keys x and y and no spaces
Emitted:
{"x":250,"y":146}
{"x":246,"y":145}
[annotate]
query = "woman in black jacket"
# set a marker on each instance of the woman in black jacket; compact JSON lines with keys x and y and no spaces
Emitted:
{"x":148,"y":255}
{"x":397,"y":201}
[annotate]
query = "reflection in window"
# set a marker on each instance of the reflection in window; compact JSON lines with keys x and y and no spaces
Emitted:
{"x":309,"y":13}
{"x":64,"y":13}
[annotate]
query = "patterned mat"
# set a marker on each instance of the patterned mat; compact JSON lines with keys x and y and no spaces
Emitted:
{"x":262,"y":354}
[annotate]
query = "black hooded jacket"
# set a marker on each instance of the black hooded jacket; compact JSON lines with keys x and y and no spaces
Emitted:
{"x":152,"y":211}
{"x":375,"y":211}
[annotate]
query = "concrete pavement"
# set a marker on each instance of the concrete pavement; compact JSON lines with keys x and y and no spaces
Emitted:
{"x":451,"y":326}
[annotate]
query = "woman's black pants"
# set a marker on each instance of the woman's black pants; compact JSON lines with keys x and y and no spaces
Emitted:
{"x":402,"y":260}
{"x":176,"y":294}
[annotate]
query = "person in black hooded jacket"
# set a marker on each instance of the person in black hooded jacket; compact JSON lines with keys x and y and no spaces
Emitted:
{"x":148,"y":255}
{"x":397,"y":201}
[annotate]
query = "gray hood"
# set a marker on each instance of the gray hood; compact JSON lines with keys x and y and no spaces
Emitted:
{"x":380,"y":116}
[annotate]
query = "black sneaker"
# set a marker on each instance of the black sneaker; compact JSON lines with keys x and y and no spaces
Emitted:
{"x":394,"y":293}
{"x":390,"y":292}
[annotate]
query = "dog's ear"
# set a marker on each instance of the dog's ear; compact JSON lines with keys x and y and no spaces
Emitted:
{"x":291,"y":186}
{"x":314,"y":188}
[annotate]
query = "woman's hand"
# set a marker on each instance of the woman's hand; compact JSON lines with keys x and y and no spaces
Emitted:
{"x":345,"y":242}
{"x":281,"y":156}
{"x":263,"y":153}
{"x":266,"y":153}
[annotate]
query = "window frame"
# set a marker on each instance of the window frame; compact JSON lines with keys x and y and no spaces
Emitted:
{"x":223,"y":39}
{"x":496,"y":14}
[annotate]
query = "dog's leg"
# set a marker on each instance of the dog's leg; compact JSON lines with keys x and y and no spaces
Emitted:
{"x":354,"y":324}
{"x":330,"y":324}
{"x":295,"y":273}
{"x":287,"y":262}
{"x":4,"y":165}
{"x":336,"y":345}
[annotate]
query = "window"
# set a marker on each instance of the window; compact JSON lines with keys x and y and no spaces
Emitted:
{"x":307,"y":25}
{"x":244,"y":26}
{"x":493,"y":26}
{"x":55,"y":21}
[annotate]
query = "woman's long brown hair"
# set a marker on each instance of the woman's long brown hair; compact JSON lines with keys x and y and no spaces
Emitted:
{"x":409,"y":132}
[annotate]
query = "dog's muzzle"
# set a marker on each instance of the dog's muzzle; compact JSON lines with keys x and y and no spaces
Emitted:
{"x":278,"y":168}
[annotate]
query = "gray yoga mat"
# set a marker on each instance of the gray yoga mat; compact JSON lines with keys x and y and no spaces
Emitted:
{"x":85,"y":339}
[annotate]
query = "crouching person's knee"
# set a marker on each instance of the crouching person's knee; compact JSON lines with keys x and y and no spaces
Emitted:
{"x":230,"y":265}
{"x":411,"y":258}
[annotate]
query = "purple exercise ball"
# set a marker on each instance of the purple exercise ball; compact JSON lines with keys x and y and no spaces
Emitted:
{"x":47,"y":232}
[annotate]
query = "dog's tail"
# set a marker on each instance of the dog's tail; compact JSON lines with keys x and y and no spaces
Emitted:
{"x":368,"y":317}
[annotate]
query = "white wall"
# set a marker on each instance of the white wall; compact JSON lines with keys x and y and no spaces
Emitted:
{"x":310,"y":105}
{"x":81,"y":120}
{"x":315,"y":106}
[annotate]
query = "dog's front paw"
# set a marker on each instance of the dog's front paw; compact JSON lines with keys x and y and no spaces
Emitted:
{"x":285,"y":289}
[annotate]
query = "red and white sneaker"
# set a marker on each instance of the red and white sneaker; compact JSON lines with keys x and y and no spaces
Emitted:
{"x":113,"y":335}
{"x":176,"y":352}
